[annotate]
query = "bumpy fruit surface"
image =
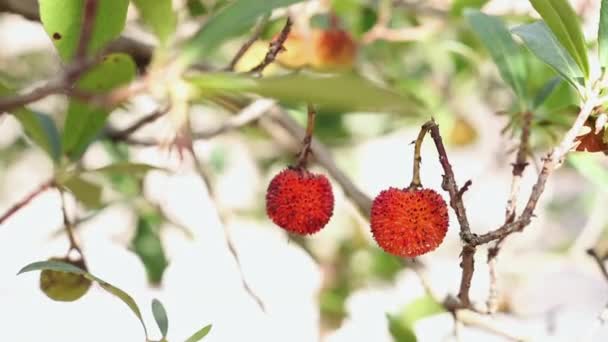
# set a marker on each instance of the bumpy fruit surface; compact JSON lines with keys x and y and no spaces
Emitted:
{"x":63,"y":286}
{"x":333,"y":49}
{"x":409,"y":223}
{"x":299,"y":201}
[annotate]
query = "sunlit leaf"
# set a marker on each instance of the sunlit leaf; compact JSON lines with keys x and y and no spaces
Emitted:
{"x":341,"y":92}
{"x":62,"y":20}
{"x":563,"y":22}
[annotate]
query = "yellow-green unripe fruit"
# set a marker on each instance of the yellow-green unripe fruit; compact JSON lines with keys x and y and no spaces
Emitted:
{"x":63,"y":286}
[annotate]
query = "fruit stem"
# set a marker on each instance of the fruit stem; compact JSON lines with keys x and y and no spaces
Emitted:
{"x":307,"y":142}
{"x":68,"y":226}
{"x":416,"y":182}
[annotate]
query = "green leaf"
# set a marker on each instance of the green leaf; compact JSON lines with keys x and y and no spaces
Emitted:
{"x":421,"y":308}
{"x":340,"y":92}
{"x":160,"y":316}
{"x":199,"y":335}
{"x":542,"y":43}
{"x":85,"y":121}
{"x":147,"y":245}
{"x":232,"y":20}
{"x":401,"y":332}
{"x":39,"y":127}
{"x":459,"y":6}
{"x":546,"y":91}
{"x":66,"y":267}
{"x":504,"y":51}
{"x":590,"y":167}
{"x":563,"y":21}
{"x":196,"y":8}
{"x":125,"y":298}
{"x":134,"y":169}
{"x":160,"y":16}
{"x":53,"y":265}
{"x":602,"y":35}
{"x":62,"y":21}
{"x":85,"y":192}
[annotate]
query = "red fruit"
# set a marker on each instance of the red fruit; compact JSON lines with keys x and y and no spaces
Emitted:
{"x":299,"y":201}
{"x":409,"y":223}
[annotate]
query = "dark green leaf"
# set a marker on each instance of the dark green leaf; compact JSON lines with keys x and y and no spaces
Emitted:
{"x":503,"y":49}
{"x":85,"y":192}
{"x":199,"y":335}
{"x":196,"y":8}
{"x":147,"y":245}
{"x":38,"y":127}
{"x":546,"y":91}
{"x":563,"y":21}
{"x":62,"y":20}
{"x":232,"y":20}
{"x":341,"y":92}
{"x":458,"y":6}
{"x":53,"y":266}
{"x":539,"y":39}
{"x":603,"y":34}
{"x":160,"y":316}
{"x":84,"y":121}
{"x":159,"y":15}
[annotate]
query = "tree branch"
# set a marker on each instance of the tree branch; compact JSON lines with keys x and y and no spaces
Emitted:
{"x":26,"y":200}
{"x":276,"y":47}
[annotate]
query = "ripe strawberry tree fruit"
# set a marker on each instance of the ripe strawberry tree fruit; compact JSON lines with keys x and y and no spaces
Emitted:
{"x":64,"y":286}
{"x":299,"y":201}
{"x":409,"y":222}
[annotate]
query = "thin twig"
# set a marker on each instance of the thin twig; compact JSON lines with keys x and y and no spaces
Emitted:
{"x":275,"y":47}
{"x":26,"y":200}
{"x":231,"y":247}
{"x":307,"y":141}
{"x":56,"y":86}
{"x":600,"y":263}
{"x":511,"y":208}
{"x":254,"y":37}
{"x":124,"y":134}
{"x":69,"y":227}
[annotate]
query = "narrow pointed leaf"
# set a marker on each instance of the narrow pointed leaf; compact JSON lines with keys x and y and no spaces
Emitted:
{"x":232,"y":20}
{"x":199,"y":335}
{"x":53,"y":266}
{"x":339,"y":93}
{"x":543,"y":44}
{"x":160,"y":316}
{"x":564,"y":23}
{"x":86,"y":192}
{"x":504,"y":51}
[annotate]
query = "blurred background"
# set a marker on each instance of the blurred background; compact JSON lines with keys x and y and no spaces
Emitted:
{"x":174,"y":235}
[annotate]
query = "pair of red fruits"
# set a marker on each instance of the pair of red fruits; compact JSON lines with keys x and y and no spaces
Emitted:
{"x":404,"y":222}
